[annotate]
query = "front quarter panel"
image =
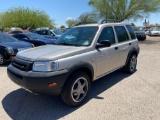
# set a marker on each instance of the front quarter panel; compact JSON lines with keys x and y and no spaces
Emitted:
{"x":78,"y":61}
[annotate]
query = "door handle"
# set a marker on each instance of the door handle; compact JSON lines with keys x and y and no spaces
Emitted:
{"x":116,"y":48}
{"x":130,"y":43}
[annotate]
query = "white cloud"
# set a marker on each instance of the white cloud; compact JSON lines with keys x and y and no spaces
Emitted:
{"x":69,"y":18}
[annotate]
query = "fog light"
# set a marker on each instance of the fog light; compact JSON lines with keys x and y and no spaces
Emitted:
{"x":52,"y":85}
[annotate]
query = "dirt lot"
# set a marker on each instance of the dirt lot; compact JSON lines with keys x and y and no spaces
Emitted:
{"x":117,"y":96}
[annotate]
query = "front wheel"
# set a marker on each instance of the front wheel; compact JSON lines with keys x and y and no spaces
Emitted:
{"x":76,"y":90}
{"x":132,"y":63}
{"x":2,"y":60}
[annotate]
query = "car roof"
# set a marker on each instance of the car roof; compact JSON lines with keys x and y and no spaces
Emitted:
{"x":42,"y":29}
{"x":100,"y":25}
{"x":24,"y":33}
{"x":1,"y":33}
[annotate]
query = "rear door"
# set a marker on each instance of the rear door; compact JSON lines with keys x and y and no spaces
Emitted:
{"x":124,"y":44}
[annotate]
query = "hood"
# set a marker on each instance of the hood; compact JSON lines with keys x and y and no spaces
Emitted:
{"x":16,"y":44}
{"x":47,"y":41}
{"x":155,"y":31}
{"x":58,"y":35}
{"x":50,"y":52}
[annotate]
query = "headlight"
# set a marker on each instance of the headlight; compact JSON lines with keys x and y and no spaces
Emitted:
{"x":45,"y":66}
{"x":10,"y":50}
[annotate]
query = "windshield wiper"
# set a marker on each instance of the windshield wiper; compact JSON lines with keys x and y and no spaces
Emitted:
{"x":63,"y":43}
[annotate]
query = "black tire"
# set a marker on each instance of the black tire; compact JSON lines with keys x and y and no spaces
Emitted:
{"x":144,"y":38}
{"x":72,"y":92}
{"x":2,"y":60}
{"x":141,"y":38}
{"x":131,"y":65}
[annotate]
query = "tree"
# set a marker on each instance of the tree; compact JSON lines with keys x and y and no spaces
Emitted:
{"x":71,"y":23}
{"x":62,"y":27}
{"x":26,"y":18}
{"x":132,"y":24}
{"x":88,"y":17}
{"x":125,"y":9}
{"x":0,"y":19}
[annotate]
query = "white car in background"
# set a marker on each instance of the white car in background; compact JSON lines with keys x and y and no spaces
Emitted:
{"x":154,"y":31}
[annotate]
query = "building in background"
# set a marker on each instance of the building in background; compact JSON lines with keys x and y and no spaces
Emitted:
{"x":146,"y":24}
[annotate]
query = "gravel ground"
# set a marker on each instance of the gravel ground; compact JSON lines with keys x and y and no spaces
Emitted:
{"x":118,"y":96}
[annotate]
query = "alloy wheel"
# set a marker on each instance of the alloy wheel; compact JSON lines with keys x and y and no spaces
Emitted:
{"x":133,"y":63}
{"x":1,"y":59}
{"x":79,"y":89}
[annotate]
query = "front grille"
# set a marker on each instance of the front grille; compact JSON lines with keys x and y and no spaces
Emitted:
{"x":19,"y":66}
{"x":22,"y":64}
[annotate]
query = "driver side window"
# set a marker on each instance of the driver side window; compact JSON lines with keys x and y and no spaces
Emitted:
{"x":107,"y":34}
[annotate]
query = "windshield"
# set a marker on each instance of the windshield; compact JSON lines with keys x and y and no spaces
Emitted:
{"x":34,"y":36}
{"x":155,"y":29}
{"x":80,"y":36}
{"x":138,"y":28}
{"x":7,"y":38}
{"x":57,"y":32}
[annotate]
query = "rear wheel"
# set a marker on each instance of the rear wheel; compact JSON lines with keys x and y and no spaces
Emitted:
{"x":76,"y":89}
{"x":132,"y":63}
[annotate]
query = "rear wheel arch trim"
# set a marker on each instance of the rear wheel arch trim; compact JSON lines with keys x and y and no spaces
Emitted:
{"x":133,"y":51}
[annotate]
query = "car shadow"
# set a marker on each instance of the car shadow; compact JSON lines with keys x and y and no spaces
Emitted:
{"x":21,"y":104}
{"x":149,"y":42}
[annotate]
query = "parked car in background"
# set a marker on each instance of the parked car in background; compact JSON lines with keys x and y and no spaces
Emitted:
{"x":140,"y":33}
{"x":17,"y":31}
{"x":33,"y":38}
{"x":49,"y":33}
{"x":154,"y":31}
{"x":10,"y":46}
{"x":64,"y":30}
{"x":147,"y":31}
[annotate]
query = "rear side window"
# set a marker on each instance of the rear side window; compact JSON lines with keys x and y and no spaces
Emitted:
{"x":42,"y":32}
{"x":19,"y":37}
{"x":107,"y":34}
{"x":131,"y":32}
{"x":15,"y":32}
{"x":121,"y":33}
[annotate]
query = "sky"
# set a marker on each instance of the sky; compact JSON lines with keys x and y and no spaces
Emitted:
{"x":61,"y":10}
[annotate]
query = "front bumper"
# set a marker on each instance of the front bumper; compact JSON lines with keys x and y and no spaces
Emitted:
{"x":155,"y":33}
{"x":38,"y":82}
{"x":141,"y":36}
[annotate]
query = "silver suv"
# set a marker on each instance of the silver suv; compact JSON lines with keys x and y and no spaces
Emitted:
{"x":80,"y":56}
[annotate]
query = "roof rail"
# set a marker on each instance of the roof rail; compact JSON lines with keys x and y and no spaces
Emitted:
{"x":83,"y":23}
{"x":110,"y":20}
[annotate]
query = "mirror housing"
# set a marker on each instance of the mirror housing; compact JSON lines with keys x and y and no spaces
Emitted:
{"x":104,"y":43}
{"x":25,"y":39}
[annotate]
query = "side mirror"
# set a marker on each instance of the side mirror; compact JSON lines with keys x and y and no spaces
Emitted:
{"x":105,"y":43}
{"x":25,"y":39}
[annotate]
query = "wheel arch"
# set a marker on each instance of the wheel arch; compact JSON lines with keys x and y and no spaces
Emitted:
{"x":133,"y":51}
{"x":84,"y":67}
